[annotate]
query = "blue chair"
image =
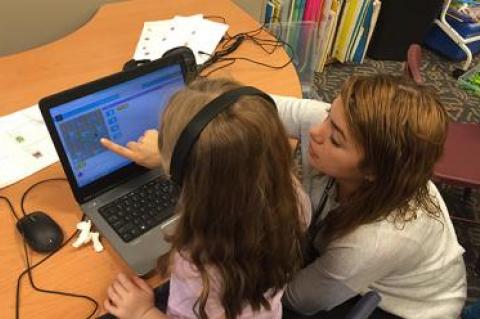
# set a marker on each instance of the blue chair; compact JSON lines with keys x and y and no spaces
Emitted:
{"x":365,"y":306}
{"x":360,"y":307}
{"x":471,"y":311}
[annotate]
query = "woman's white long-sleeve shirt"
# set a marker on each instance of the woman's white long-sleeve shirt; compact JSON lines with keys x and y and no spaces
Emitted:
{"x":418,"y":270}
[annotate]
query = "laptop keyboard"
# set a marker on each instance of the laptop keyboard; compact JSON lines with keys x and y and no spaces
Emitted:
{"x":142,"y":209}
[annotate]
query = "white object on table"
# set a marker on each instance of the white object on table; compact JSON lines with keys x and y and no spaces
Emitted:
{"x":195,"y":32}
{"x":26,"y":146}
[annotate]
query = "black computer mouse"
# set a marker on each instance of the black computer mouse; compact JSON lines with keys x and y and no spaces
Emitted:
{"x":41,"y":232}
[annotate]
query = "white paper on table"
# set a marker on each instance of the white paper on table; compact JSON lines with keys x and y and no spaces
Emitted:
{"x":197,"y":33}
{"x":148,"y":46}
{"x":25,"y":145}
{"x":206,"y":39}
{"x":160,"y":36}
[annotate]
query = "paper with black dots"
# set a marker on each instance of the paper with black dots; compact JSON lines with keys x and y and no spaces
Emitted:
{"x":199,"y":34}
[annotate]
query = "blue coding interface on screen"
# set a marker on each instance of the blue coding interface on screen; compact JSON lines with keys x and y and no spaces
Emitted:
{"x":121,"y":113}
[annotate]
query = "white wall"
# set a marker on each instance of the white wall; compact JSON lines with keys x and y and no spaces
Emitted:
{"x":256,"y":8}
{"x":25,"y":24}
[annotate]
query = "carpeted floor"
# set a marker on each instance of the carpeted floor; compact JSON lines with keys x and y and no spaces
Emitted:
{"x":461,"y":106}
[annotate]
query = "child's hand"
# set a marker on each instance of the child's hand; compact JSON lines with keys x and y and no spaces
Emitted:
{"x":143,"y":152}
{"x":129,"y":298}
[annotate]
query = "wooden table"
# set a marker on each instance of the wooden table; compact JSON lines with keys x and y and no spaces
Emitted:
{"x":97,"y":49}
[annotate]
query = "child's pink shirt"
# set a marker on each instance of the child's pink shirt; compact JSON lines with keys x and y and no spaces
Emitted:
{"x":186,"y":285}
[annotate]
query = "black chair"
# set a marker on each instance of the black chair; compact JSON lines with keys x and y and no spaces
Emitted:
{"x":399,"y":24}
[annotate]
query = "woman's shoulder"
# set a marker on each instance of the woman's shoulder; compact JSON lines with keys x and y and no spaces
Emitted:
{"x":299,"y":114}
{"x":414,"y":230}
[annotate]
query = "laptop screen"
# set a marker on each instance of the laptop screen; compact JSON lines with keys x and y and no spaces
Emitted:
{"x":121,"y":113}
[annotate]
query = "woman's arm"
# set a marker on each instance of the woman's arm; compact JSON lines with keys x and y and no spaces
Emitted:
{"x":347,"y":268}
{"x":299,"y":114}
{"x":294,"y":113}
{"x":313,"y":290}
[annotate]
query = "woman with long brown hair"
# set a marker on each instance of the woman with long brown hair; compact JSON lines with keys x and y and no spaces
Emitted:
{"x":378,"y":222}
{"x":242,"y":214}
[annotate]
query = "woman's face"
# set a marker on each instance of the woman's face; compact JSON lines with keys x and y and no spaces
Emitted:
{"x":332,"y":150}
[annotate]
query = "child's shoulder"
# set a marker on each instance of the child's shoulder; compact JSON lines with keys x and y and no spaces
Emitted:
{"x":304,"y":203}
{"x":183,"y":267}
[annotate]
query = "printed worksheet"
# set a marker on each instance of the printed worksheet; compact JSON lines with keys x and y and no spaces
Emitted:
{"x":25,"y":145}
{"x":199,"y":34}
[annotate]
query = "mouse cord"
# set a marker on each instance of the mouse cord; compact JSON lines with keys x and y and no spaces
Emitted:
{"x":30,"y":267}
{"x":231,"y":43}
{"x":35,"y":287}
{"x":24,"y":196}
{"x":11,"y":207}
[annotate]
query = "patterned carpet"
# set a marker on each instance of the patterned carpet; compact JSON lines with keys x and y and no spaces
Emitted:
{"x":461,"y":106}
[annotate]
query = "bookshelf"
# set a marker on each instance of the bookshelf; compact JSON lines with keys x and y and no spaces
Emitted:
{"x":345,"y":27}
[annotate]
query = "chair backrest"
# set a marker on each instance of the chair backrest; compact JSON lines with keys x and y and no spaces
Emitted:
{"x":460,"y":162}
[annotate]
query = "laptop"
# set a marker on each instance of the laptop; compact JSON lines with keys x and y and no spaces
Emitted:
{"x":132,"y":207}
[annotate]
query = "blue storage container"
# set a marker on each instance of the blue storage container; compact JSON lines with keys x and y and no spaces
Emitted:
{"x":440,"y":42}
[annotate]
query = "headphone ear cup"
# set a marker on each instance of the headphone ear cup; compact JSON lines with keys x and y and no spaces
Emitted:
{"x":133,"y":64}
{"x":188,"y":57}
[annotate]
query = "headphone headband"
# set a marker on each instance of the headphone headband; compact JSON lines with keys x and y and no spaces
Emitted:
{"x":192,"y":131}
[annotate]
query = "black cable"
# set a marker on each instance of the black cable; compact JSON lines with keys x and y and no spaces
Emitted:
{"x":30,"y":267}
{"x":24,"y":196}
{"x":259,"y":63}
{"x":218,"y":68}
{"x":61,"y":293}
{"x":11,"y":206}
{"x":230,"y":43}
{"x":253,"y":35}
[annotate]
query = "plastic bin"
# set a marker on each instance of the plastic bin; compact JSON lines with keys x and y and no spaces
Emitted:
{"x":438,"y":41}
{"x":303,"y":39}
{"x":471,"y":80}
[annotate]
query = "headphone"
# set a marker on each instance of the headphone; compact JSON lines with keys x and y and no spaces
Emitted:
{"x":188,"y":57}
{"x":184,"y":52}
{"x":192,"y":131}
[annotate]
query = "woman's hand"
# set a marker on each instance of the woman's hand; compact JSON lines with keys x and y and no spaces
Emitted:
{"x":130,"y":298}
{"x":143,"y":152}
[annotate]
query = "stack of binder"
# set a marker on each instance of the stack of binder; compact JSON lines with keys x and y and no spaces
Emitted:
{"x":344,"y":26}
{"x":353,"y":34}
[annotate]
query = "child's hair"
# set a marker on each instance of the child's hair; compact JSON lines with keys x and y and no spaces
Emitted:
{"x":238,"y":207}
{"x":401,"y":128}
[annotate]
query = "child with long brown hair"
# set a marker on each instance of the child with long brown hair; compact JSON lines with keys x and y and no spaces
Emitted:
{"x":241,"y":213}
